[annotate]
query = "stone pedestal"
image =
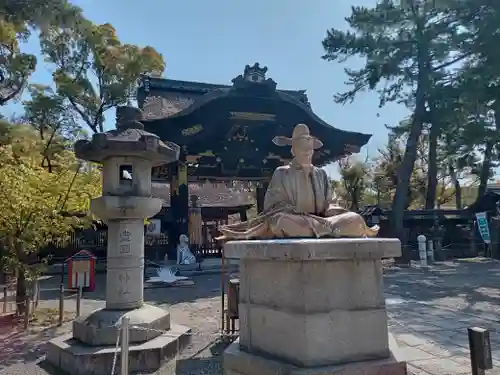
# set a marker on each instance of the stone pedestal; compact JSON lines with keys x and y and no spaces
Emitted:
{"x":127,"y":155}
{"x":91,"y":347}
{"x":240,"y":362}
{"x":311,"y":303}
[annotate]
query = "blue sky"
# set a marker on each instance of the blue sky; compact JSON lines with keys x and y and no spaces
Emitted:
{"x":212,"y":41}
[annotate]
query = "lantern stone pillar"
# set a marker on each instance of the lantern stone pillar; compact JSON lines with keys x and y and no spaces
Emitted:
{"x":127,"y":155}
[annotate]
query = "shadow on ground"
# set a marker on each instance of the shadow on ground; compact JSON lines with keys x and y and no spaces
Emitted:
{"x":474,"y":281}
{"x":456,"y":294}
{"x":20,"y":346}
{"x":206,"y":286}
{"x":203,"y":365}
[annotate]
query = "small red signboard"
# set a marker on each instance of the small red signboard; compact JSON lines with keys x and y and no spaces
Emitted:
{"x":81,"y":271}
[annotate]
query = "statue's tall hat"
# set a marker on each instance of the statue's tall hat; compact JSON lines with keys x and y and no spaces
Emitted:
{"x":300,"y":131}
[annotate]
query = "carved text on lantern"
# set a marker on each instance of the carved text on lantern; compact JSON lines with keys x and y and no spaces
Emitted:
{"x":124,"y":278}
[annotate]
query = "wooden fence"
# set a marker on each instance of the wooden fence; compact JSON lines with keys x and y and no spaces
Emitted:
{"x":210,"y":230}
{"x":95,"y":241}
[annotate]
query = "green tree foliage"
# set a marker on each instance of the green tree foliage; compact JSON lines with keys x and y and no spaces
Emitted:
{"x":354,"y":182}
{"x":407,"y":50}
{"x":478,"y":86}
{"x":48,"y":113}
{"x":18,"y":19}
{"x":38,"y":206}
{"x":386,"y":173}
{"x":42,"y":183}
{"x":449,"y":187}
{"x":94,"y":70}
{"x":53,"y":120}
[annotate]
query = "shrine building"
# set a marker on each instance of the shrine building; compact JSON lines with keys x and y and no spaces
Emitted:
{"x":226,"y":132}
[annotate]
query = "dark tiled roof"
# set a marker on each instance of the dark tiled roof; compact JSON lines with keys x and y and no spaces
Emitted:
{"x":163,"y":84}
{"x":169,"y":105}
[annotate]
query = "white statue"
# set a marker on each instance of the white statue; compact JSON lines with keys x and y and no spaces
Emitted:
{"x":184,"y":255}
{"x":166,"y":275}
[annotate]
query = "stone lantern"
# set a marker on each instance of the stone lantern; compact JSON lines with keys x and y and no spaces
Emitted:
{"x":127,"y":155}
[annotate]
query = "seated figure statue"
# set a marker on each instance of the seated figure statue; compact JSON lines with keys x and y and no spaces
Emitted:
{"x":298,"y":201}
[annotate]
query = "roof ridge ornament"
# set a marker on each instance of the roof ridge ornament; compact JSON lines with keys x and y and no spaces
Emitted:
{"x":254,"y":77}
{"x":255,"y":73}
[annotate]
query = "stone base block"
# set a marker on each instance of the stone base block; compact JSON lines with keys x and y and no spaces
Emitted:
{"x":314,"y":339}
{"x":100,"y":327}
{"x":77,"y":358}
{"x":238,"y":362}
{"x":313,"y":302}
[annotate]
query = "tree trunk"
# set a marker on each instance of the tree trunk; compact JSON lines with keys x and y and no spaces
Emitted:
{"x":484,"y":175}
{"x":458,"y":188}
{"x":3,"y":278}
{"x":355,"y":199}
{"x":355,"y":206}
{"x":21,"y":285}
{"x":8,"y":97}
{"x":406,"y":168}
{"x":485,"y":172}
{"x":404,"y":171}
{"x":21,"y":292}
{"x":432,"y":169}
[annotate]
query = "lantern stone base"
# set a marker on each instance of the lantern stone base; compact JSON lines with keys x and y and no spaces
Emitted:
{"x":91,"y":348}
{"x":100,"y":327}
{"x":77,"y":358}
{"x":239,"y":362}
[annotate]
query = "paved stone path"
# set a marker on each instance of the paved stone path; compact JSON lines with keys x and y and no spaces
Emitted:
{"x":429,"y":310}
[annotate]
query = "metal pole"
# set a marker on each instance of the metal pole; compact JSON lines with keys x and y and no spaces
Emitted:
{"x":79,"y":301}
{"x":4,"y":299}
{"x":62,"y":272}
{"x":26,"y":312}
{"x":430,"y":251}
{"x":33,"y":294}
{"x":422,"y":250}
{"x":61,"y":304}
{"x":37,"y":292}
{"x":222,"y":290}
{"x":480,"y":350}
{"x":124,"y":346}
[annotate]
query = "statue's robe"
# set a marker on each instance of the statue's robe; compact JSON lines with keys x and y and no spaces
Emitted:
{"x":298,"y":204}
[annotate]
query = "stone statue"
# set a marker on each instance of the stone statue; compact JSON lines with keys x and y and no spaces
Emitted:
{"x":184,"y":255}
{"x":298,"y":201}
